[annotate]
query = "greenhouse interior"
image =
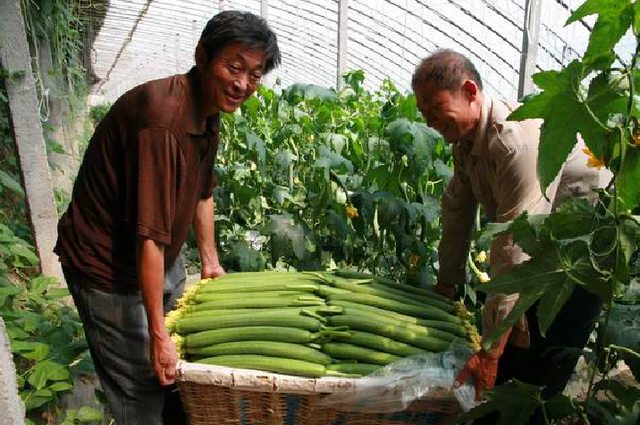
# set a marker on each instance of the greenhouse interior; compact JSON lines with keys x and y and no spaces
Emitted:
{"x":319,"y":212}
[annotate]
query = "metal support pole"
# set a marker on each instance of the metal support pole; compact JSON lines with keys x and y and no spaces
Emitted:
{"x":343,"y":37}
{"x":530,"y":36}
{"x":264,"y":9}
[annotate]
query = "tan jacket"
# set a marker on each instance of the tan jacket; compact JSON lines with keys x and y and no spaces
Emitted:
{"x":498,"y":171}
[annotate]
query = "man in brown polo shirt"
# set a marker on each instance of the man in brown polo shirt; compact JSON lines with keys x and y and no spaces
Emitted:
{"x":495,"y":164}
{"x":146,"y":178}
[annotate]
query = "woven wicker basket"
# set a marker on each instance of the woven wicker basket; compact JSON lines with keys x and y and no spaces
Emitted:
{"x":214,"y":395}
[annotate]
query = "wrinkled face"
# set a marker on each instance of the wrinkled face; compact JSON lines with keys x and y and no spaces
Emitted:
{"x":230,"y":78}
{"x":452,"y":113}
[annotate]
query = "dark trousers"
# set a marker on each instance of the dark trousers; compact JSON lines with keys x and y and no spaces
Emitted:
{"x":550,"y":360}
{"x":115,"y":326}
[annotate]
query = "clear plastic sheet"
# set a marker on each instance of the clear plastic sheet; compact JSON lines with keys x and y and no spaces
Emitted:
{"x":394,"y":387}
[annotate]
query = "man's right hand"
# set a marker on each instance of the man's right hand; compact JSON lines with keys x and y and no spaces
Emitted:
{"x":164,"y":357}
{"x":445,"y":290}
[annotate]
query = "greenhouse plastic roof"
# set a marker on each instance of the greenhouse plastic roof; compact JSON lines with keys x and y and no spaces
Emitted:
{"x":140,"y":40}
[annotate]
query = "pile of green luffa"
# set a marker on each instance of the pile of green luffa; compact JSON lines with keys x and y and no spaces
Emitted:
{"x":339,"y":323}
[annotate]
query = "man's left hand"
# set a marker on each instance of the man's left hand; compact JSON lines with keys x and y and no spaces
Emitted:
{"x":212,"y":272}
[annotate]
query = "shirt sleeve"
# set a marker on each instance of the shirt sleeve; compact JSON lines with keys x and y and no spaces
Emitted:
{"x":158,"y":164}
{"x":459,"y":206}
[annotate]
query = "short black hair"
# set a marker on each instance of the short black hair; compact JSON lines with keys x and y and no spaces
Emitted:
{"x":447,"y":69}
{"x":233,"y":26}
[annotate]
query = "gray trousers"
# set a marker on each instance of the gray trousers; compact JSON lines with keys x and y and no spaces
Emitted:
{"x":115,"y":326}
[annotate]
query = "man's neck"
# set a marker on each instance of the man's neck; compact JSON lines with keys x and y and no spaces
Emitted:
{"x":477,"y":115}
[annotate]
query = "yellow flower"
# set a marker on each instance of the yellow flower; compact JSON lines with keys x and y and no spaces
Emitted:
{"x":636,"y":140}
{"x":482,"y":257}
{"x":484,"y":277}
{"x":593,"y":161}
{"x":352,"y":212}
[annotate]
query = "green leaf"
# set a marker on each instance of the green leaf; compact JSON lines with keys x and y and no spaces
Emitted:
{"x":88,"y":414}
{"x":443,"y":170}
{"x":337,"y":141}
{"x":299,"y":91}
{"x":46,"y":371}
{"x":40,"y":352}
{"x":333,"y":161}
{"x":25,"y":252}
{"x":627,"y":395}
{"x":286,"y":235}
{"x":551,"y":303}
{"x":388,"y":211}
{"x":636,"y":18}
{"x":628,"y":181}
{"x":614,"y":19}
{"x":565,"y":115}
{"x":41,"y":283}
{"x":9,"y":182}
{"x":624,"y":331}
{"x":8,"y":291}
{"x":254,"y":143}
{"x":35,"y":399}
{"x":57,"y":293}
{"x":61,"y":386}
{"x":515,"y":401}
{"x":244,"y":258}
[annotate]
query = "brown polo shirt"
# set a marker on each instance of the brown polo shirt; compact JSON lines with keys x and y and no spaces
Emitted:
{"x":147,"y":165}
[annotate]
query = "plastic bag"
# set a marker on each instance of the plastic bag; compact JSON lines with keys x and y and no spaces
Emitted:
{"x":394,"y":387}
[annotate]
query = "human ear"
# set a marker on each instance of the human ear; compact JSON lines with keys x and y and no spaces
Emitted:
{"x":201,"y":57}
{"x":470,"y":88}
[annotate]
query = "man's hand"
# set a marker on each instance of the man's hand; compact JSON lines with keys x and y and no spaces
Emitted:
{"x":483,"y":367}
{"x":164,"y":358}
{"x":211,"y":272}
{"x":445,"y":290}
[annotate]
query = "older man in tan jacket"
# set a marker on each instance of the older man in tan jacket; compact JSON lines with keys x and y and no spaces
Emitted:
{"x":495,"y":164}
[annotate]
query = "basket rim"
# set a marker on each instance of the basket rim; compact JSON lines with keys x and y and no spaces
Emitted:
{"x":256,"y":380}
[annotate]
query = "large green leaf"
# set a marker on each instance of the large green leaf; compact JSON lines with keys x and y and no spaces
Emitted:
{"x":299,"y":91}
{"x":566,"y":115}
{"x":244,"y":258}
{"x":551,"y":303}
{"x":8,"y":291}
{"x":46,"y":371}
{"x":515,"y":401}
{"x":37,"y":398}
{"x":628,"y":181}
{"x":254,"y":143}
{"x":624,"y":331}
{"x":9,"y":182}
{"x":286,"y":235}
{"x":614,"y":19}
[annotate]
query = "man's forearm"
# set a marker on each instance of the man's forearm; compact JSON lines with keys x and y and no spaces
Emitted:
{"x":151,"y":279}
{"x":205,"y":233}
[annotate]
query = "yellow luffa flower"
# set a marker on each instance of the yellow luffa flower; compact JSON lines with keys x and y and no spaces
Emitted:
{"x":484,"y":277}
{"x":352,"y":212}
{"x":482,"y":257}
{"x":636,"y":140}
{"x":593,"y":161}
